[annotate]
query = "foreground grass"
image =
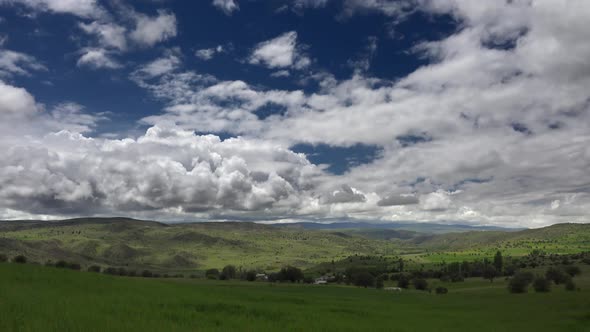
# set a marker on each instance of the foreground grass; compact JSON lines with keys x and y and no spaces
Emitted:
{"x":35,"y":298}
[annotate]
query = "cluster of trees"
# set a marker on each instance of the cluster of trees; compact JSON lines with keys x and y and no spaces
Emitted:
{"x":286,"y":274}
{"x":21,"y":259}
{"x":366,"y":278}
{"x":485,"y":268}
{"x":64,"y":265}
{"x":369,"y":274}
{"x":521,"y":281}
{"x":230,"y":272}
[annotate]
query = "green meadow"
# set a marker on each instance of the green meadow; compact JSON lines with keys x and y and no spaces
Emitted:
{"x":38,"y":298}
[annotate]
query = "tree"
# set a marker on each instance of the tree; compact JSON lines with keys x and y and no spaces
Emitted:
{"x":441,"y":290}
{"x":403,"y":281}
{"x":510,"y":270}
{"x":573,"y":270}
{"x":212,"y":274}
{"x":251,"y":275}
{"x":74,"y":266}
{"x":379,"y":282}
{"x":556,"y":275}
{"x":542,"y":285}
{"x":20,"y":259}
{"x":3,"y":258}
{"x":570,"y":285}
{"x":498,"y":261}
{"x":420,"y":284}
{"x":490,"y":273}
{"x":520,"y":282}
{"x":363,"y":279}
{"x":94,"y":268}
{"x":290,"y":273}
{"x":228,"y":272}
{"x":146,"y":274}
{"x":61,"y":264}
{"x":401,"y":265}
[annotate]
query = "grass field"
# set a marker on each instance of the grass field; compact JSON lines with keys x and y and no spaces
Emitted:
{"x":36,"y":298}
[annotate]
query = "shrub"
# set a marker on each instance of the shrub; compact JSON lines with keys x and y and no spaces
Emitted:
{"x":212,"y":274}
{"x":20,"y":259}
{"x":363,"y":279}
{"x":573,"y":270}
{"x":251,"y":275}
{"x":74,"y":266}
{"x":273,"y":277}
{"x":132,"y":273}
{"x":527,"y":276}
{"x":510,"y":270}
{"x":61,"y":264}
{"x":570,"y":285}
{"x":94,"y":268}
{"x":110,"y":270}
{"x":290,"y":273}
{"x":542,"y":285}
{"x":520,"y":282}
{"x":228,"y":272}
{"x":3,"y":258}
{"x":420,"y":284}
{"x":379,"y":282}
{"x":146,"y":274}
{"x":441,"y":290}
{"x":403,"y":281}
{"x":122,"y":271}
{"x":457,"y":277}
{"x":490,"y":272}
{"x":556,"y":275}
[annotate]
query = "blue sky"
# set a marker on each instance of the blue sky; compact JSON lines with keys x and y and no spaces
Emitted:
{"x":333,"y":39}
{"x":381,"y":110}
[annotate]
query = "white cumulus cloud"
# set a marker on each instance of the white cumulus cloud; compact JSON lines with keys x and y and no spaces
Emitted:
{"x":226,"y":6}
{"x":151,"y":30}
{"x":280,"y":52}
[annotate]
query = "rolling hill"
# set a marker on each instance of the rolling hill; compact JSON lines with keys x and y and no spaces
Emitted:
{"x":179,"y":247}
{"x":195,"y":247}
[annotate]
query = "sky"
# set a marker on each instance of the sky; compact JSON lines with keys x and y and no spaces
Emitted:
{"x":448,"y":111}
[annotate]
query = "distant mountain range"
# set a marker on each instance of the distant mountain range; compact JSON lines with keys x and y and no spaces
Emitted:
{"x":432,"y":228}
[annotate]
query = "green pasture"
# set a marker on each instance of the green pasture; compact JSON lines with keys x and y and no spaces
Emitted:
{"x":37,"y":298}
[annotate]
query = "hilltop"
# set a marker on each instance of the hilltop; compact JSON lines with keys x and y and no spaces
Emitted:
{"x":179,"y":247}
